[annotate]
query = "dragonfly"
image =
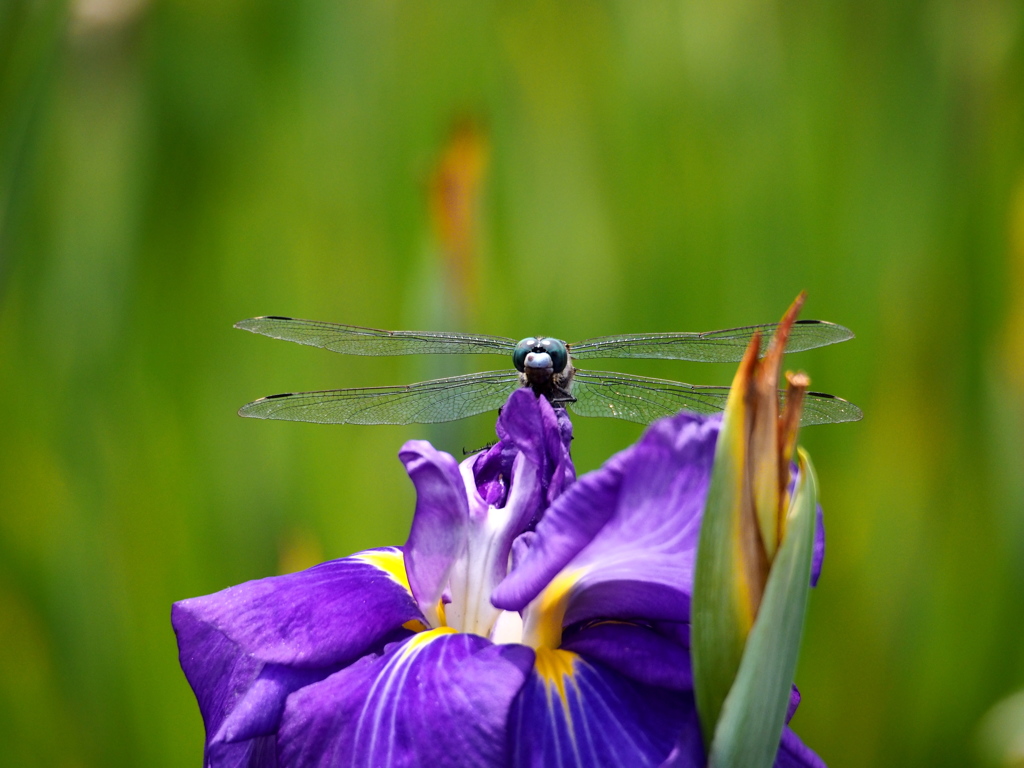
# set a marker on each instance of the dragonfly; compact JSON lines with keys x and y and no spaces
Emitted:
{"x":542,"y":363}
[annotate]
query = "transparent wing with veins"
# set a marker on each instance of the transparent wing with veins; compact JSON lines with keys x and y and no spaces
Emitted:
{"x":642,"y":399}
{"x":725,"y":346}
{"x":427,"y":402}
{"x":356,"y":340}
{"x":633,"y":398}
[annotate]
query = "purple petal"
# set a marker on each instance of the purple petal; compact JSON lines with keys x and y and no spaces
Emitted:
{"x":328,"y":614}
{"x":439,"y":525}
{"x":818,"y":557}
{"x":793,"y":753}
{"x":679,"y":631}
{"x":244,"y":649}
{"x":520,"y":506}
{"x":637,"y":652}
{"x":688,"y":751}
{"x":527,"y":425}
{"x":572,"y":522}
{"x":490,"y":536}
{"x":492,"y":468}
{"x":520,"y":547}
{"x":440,"y":699}
{"x":564,"y":472}
{"x":255,"y":753}
{"x":625,"y":591}
{"x":629,"y":530}
{"x":544,"y":434}
{"x":524,"y":420}
{"x":593,"y":716}
{"x":258,"y":709}
{"x":794,"y":702}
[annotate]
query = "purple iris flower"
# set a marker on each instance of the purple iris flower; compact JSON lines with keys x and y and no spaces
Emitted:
{"x":530,"y":620}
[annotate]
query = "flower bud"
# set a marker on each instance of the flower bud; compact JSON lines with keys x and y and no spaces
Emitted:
{"x":753,"y":562}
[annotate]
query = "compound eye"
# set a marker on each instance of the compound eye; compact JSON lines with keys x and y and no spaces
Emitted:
{"x":558,"y":352}
{"x":523,"y":348}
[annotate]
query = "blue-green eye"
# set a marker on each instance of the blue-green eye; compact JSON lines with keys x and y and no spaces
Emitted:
{"x":558,"y":352}
{"x":523,"y":348}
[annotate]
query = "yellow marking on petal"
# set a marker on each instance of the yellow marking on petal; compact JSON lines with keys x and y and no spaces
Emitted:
{"x":391,"y":561}
{"x":414,"y":625}
{"x":416,"y":643}
{"x":374,"y":723}
{"x":545,"y":614}
{"x":554,"y":667}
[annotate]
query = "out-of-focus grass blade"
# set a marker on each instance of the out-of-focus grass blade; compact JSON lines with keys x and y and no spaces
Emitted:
{"x":750,"y":726}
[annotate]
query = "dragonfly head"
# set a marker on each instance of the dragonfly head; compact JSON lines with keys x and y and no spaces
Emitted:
{"x":540,"y":356}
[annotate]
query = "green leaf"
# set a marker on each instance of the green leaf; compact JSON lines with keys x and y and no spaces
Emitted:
{"x":721,"y":616}
{"x":748,"y":732}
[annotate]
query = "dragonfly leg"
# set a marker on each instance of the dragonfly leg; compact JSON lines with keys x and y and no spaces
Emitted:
{"x":561,"y":397}
{"x":468,"y":452}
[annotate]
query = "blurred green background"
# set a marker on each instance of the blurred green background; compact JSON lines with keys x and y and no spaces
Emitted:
{"x":168,"y":167}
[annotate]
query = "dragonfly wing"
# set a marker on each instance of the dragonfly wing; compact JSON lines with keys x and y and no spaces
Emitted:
{"x":726,"y":346}
{"x":642,"y":400}
{"x":820,"y":408}
{"x":427,"y":402}
{"x":356,"y":340}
